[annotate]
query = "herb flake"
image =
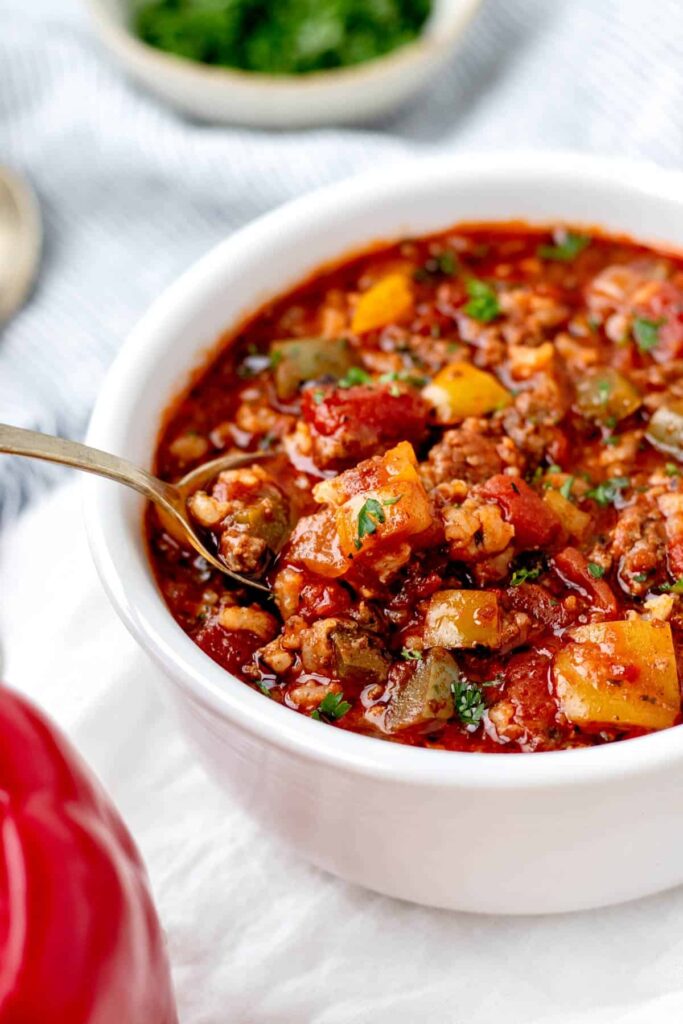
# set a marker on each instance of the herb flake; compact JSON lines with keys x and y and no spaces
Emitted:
{"x":370,"y":515}
{"x":566,"y":488}
{"x":674,"y":588}
{"x":483,"y":302}
{"x":566,"y":247}
{"x":646,"y":333}
{"x":522,"y":575}
{"x":469,"y":702}
{"x":608,"y":491}
{"x":331,"y":708}
{"x":355,"y":375}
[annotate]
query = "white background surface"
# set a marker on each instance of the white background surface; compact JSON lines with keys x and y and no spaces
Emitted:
{"x":132,"y":194}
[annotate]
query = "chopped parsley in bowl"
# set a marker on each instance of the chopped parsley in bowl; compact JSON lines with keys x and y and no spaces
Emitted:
{"x":287,"y":37}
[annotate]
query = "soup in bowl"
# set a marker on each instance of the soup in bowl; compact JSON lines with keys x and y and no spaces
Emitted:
{"x":461,"y":392}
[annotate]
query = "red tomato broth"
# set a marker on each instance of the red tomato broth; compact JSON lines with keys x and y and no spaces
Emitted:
{"x":549,"y":314}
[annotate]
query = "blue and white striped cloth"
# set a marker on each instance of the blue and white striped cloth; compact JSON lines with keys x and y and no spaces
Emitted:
{"x":132,"y":193}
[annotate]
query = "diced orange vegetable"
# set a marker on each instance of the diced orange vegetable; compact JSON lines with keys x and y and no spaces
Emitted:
{"x":388,"y":301}
{"x":620,"y":674}
{"x":574,"y":521}
{"x":315,"y":544}
{"x":461,"y":390}
{"x":380,"y":502}
{"x":462,"y":618}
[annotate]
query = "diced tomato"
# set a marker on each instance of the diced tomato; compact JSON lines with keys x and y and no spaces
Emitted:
{"x":526,"y":688}
{"x":665,"y":309}
{"x":230,"y":650}
{"x":535,"y":523}
{"x":674,"y":551}
{"x":558,"y":448}
{"x":572,"y":568}
{"x":319,"y":600}
{"x":356,"y":422}
{"x":539,"y":604}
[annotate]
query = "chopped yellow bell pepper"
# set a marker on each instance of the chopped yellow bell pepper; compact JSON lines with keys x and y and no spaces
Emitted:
{"x":620,"y":674}
{"x":575,"y":522}
{"x":462,"y":618}
{"x":388,"y":301}
{"x":461,"y":390}
{"x":381,"y":501}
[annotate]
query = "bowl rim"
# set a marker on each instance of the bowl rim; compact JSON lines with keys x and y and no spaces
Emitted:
{"x":203,"y":681}
{"x":428,"y":45}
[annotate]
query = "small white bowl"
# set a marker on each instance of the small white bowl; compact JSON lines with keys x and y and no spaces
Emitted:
{"x":523,"y":833}
{"x":345,"y":96}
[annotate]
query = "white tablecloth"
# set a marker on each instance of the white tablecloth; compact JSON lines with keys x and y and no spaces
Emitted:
{"x":131,"y":195}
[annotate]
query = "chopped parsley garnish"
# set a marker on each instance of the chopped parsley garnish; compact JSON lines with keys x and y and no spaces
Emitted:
{"x":497,"y":680}
{"x":276,"y":357}
{"x":469,"y":702}
{"x":639,"y":577}
{"x":596,"y":571}
{"x":671,"y":469}
{"x":405,"y":377}
{"x":567,"y":247}
{"x":448,"y":263}
{"x":355,"y":375}
{"x":566,"y":488}
{"x":523,"y":574}
{"x":318,"y":396}
{"x":646,"y":333}
{"x":603,"y":388}
{"x":408,"y":654}
{"x":608,"y":491}
{"x":483,"y":303}
{"x":674,"y":588}
{"x":331,"y":708}
{"x":611,"y":440}
{"x":370,"y":515}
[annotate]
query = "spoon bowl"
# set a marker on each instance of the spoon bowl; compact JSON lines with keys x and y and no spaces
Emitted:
{"x":20,"y":242}
{"x":170,"y":499}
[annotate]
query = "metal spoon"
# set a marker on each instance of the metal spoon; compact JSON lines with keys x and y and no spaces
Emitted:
{"x":20,"y":242}
{"x":170,"y":498}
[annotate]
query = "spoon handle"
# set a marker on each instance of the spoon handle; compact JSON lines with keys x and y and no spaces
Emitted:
{"x":17,"y":441}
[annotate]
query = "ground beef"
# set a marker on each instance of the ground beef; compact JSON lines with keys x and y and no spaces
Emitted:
{"x":638,"y":545}
{"x":472,"y":452}
{"x":531,"y":421}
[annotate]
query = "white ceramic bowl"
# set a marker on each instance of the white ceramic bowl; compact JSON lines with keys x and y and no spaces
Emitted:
{"x":345,"y":96}
{"x":514,"y":834}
